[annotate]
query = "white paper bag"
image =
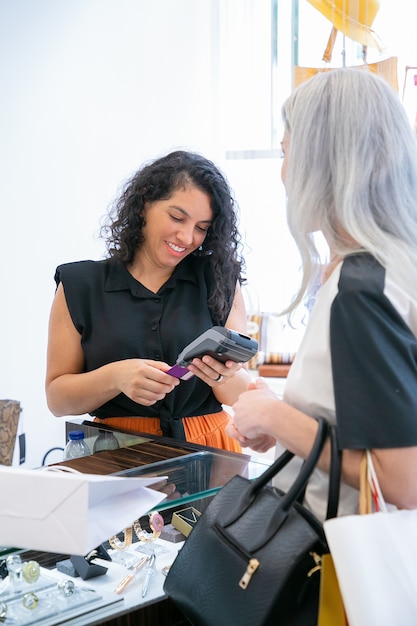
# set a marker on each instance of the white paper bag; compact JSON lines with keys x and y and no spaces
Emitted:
{"x":69,"y":513}
{"x":375,"y":557}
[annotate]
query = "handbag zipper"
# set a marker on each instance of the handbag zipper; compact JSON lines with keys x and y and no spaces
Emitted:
{"x":318,"y":563}
{"x":250,"y":570}
{"x":252,"y":562}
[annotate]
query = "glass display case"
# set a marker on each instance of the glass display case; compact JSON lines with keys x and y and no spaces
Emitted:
{"x":189,"y":474}
{"x":196,"y":475}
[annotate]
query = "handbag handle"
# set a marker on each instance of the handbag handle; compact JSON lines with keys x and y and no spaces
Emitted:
{"x":247,"y":496}
{"x":334,"y":474}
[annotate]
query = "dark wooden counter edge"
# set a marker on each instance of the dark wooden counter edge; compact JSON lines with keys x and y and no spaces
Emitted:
{"x":155,"y":449}
{"x":168,"y":441}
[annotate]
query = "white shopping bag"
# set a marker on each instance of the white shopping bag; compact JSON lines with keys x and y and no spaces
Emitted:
{"x":69,"y":513}
{"x":375,"y":557}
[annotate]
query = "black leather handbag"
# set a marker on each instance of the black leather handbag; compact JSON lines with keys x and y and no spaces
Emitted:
{"x":253,"y":558}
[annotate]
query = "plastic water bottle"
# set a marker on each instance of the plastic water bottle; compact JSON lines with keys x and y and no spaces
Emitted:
{"x":76,"y":445}
{"x":105,"y":441}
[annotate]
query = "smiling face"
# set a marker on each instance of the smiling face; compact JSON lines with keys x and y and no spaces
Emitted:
{"x":175,"y":227}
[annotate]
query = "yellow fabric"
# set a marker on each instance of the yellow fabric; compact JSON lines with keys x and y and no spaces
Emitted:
{"x":205,"y":430}
{"x":387,"y":69}
{"x":331,"y":609}
{"x":352,"y":17}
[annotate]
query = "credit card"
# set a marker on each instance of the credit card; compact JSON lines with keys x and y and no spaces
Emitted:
{"x":180,"y":372}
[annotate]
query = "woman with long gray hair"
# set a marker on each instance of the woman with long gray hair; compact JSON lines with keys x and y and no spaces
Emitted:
{"x":350,"y":171}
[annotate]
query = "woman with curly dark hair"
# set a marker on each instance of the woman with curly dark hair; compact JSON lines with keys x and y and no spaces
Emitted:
{"x":117,"y":325}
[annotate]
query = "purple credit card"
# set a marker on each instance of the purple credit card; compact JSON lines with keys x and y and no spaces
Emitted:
{"x":180,"y":372}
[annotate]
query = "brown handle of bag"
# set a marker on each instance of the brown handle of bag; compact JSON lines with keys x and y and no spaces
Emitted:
{"x":365,"y":496}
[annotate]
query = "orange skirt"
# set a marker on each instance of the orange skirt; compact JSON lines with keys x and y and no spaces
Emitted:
{"x":205,"y":430}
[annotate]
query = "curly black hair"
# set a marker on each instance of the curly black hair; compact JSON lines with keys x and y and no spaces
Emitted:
{"x":158,"y":180}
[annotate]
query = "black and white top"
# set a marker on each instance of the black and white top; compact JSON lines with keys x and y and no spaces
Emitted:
{"x":357,"y":367}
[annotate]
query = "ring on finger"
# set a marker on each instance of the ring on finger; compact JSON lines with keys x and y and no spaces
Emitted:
{"x":219,"y":378}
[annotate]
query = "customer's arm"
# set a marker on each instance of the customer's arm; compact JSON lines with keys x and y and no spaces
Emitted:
{"x":260,"y":413}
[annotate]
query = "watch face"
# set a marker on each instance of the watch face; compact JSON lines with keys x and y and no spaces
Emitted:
{"x":156,"y":522}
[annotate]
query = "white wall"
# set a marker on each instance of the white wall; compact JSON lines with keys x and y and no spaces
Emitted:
{"x":89,"y":90}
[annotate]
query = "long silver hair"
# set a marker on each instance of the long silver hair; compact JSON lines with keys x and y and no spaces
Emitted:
{"x":352,"y":173}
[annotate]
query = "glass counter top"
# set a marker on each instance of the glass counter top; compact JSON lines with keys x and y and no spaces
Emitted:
{"x":188,"y":472}
{"x":195,"y":475}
